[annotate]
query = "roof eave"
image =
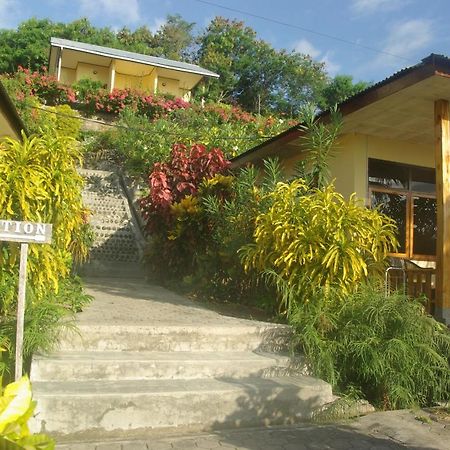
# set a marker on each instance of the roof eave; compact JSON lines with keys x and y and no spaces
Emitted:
{"x":429,"y":66}
{"x":12,"y":116}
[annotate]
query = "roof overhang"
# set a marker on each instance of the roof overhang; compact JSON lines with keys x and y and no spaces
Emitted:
{"x":400,"y":108}
{"x":11,"y":124}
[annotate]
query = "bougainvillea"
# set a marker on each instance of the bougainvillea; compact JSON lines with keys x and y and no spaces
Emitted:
{"x":152,"y":106}
{"x":44,"y":86}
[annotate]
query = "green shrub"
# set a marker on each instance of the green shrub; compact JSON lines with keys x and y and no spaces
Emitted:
{"x":230,"y":210}
{"x":86,"y":87}
{"x":315,"y":239}
{"x":39,"y":182}
{"x":46,"y":316}
{"x":140,"y":143}
{"x":386,"y":348}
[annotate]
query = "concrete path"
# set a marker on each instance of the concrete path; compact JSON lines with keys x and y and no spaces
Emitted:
{"x":155,"y":306}
{"x":131,"y":302}
{"x":378,"y":431}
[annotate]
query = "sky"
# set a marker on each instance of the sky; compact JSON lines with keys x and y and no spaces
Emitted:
{"x":368,"y":39}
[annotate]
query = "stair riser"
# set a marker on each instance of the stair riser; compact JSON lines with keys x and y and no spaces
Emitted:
{"x":137,"y":414}
{"x":55,"y":370}
{"x":189,"y":340}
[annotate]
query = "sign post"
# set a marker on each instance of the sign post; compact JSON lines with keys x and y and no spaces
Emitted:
{"x":25,"y":233}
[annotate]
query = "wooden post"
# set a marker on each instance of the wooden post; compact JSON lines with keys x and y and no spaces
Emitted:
{"x":442,"y":155}
{"x":21,"y":309}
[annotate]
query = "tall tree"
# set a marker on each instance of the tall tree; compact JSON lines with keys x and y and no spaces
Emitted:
{"x":253,"y":73}
{"x":340,"y":88}
{"x":27,"y":46}
{"x":174,"y":39}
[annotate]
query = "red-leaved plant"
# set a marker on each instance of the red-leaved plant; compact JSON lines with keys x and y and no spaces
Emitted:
{"x":171,"y":181}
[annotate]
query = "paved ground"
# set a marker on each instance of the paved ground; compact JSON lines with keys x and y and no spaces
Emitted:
{"x":417,"y":430}
{"x":377,"y":431}
{"x":151,"y":305}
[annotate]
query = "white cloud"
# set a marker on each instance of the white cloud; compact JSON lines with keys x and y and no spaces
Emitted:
{"x":374,"y":6}
{"x":7,"y":13}
{"x":307,"y":48}
{"x":158,"y":22}
{"x":331,"y":67}
{"x":405,"y":40}
{"x":127,"y":12}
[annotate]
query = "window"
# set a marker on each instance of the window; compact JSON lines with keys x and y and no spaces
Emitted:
{"x":407,"y":194}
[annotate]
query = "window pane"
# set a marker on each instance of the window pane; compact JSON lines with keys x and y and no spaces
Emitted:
{"x":423,"y":180}
{"x":387,"y":174}
{"x":424,"y":239}
{"x":394,"y":206}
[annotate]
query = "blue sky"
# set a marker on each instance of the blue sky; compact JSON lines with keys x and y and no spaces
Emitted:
{"x":404,"y":31}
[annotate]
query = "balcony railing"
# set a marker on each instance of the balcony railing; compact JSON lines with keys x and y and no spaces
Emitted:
{"x":414,"y":282}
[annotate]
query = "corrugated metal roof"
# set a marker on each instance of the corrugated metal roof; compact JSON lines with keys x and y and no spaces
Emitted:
{"x":438,"y":62}
{"x":131,"y":56}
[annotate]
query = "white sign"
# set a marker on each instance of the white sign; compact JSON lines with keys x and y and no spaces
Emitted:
{"x":31,"y":232}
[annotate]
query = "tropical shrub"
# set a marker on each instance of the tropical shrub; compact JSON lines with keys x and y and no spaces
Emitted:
{"x":39,"y":182}
{"x":385,"y":348}
{"x":230,"y":206}
{"x":43,"y":86}
{"x":170,"y":182}
{"x":60,"y":118}
{"x":84,"y":87}
{"x":139,"y":143}
{"x":16,"y":408}
{"x":171,"y":204}
{"x":149,"y":105}
{"x":315,"y":239}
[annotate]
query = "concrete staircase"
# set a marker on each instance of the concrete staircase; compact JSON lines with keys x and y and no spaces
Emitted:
{"x":118,"y":244}
{"x":197,"y":370}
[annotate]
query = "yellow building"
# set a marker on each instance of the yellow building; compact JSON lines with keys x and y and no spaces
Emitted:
{"x":10,"y":123}
{"x":394,"y":152}
{"x":72,"y":61}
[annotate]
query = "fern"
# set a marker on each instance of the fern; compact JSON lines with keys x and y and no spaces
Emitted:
{"x":387,"y":348}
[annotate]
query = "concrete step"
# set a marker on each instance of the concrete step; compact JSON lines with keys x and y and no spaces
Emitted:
{"x":83,"y":366}
{"x":201,"y":338}
{"x":115,"y":409}
{"x":115,"y":265}
{"x":119,"y":232}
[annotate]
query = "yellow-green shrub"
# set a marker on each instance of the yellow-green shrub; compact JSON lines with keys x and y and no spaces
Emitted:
{"x":61,"y":118}
{"x":317,"y":239}
{"x":39,"y":182}
{"x":16,"y":408}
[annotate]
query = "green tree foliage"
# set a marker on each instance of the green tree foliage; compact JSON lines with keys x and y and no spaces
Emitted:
{"x":28,"y":45}
{"x":339,"y":89}
{"x":253,"y":73}
{"x":174,"y":39}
